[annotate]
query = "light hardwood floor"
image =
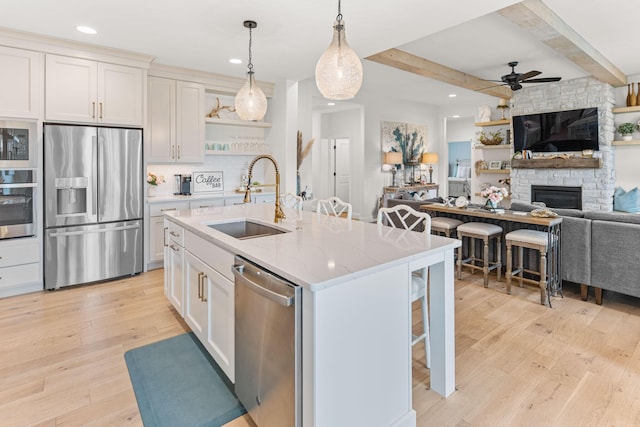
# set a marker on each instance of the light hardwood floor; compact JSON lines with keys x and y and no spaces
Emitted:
{"x":518,"y":363}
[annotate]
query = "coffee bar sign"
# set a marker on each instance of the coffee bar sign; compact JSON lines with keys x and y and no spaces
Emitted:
{"x":207,"y":182}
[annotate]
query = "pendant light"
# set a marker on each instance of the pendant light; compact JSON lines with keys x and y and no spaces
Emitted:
{"x":251,"y":104}
{"x":339,"y":70}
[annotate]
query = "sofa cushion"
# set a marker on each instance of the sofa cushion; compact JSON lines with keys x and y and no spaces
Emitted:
{"x":626,"y":201}
{"x":630,"y":218}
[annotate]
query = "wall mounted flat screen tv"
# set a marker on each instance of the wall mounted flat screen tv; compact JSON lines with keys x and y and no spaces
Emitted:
{"x":572,"y":130}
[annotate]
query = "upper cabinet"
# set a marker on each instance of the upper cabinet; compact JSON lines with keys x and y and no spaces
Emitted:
{"x":20,"y":83}
{"x":80,"y":90}
{"x":176,"y":124}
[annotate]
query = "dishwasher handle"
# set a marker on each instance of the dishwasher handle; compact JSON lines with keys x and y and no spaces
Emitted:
{"x":283,"y":300}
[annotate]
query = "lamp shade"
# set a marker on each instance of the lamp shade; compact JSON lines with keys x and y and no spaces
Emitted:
{"x":392,"y":158}
{"x":429,"y":158}
{"x":251,"y":103}
{"x":339,"y":70}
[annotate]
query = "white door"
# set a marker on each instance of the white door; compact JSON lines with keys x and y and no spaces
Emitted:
{"x":162,"y":120}
{"x":195,"y":306}
{"x":342,"y":171}
{"x":190,"y":122}
{"x":71,"y":89}
{"x":119,"y":95}
{"x":20,"y":84}
{"x":220,"y":340}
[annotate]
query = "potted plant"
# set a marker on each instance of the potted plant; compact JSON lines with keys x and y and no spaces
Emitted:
{"x":494,"y":138}
{"x":626,"y":130}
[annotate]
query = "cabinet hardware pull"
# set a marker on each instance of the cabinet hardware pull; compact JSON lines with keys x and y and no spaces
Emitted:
{"x":178,"y":152}
{"x":101,"y":110}
{"x":173,"y":151}
{"x":200,"y":286}
{"x":174,"y":234}
{"x":168,"y":209}
{"x":93,"y":107}
{"x":204,"y":295}
{"x":164,"y":236}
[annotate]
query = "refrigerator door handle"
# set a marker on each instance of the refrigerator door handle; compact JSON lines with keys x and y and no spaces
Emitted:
{"x":25,"y":185}
{"x":102,"y":230}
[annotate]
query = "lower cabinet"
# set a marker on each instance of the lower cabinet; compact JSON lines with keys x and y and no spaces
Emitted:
{"x":209,"y":311}
{"x":173,"y":267}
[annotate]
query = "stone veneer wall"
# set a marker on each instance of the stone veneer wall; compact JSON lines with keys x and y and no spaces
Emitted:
{"x":597,"y":184}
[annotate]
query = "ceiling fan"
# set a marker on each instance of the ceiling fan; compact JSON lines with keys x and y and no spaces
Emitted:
{"x":514,"y":80}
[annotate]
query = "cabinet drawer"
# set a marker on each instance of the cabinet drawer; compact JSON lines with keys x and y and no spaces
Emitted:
{"x":206,"y":203}
{"x":19,"y":254}
{"x":176,"y":233}
{"x":19,"y":274}
{"x":158,"y":209}
{"x":212,"y":255}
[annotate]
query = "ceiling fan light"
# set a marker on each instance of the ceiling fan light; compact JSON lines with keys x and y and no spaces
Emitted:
{"x":339,"y":70}
{"x":250,"y":102}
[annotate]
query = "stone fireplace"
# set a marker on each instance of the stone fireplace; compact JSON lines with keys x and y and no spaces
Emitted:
{"x":597,"y":184}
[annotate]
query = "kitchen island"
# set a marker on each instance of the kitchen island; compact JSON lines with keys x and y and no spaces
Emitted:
{"x":356,"y":310}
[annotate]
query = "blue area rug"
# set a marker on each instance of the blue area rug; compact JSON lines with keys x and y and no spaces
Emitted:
{"x":178,"y":384}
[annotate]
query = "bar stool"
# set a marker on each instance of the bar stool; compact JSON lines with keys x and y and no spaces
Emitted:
{"x":532,"y":239}
{"x":444,"y":225}
{"x":484,"y":232}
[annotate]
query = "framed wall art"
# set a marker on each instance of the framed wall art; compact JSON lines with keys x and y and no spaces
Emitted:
{"x":407,"y":138}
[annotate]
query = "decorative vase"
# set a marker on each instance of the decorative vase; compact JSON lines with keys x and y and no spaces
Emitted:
{"x":629,"y":95}
{"x":638,"y":97}
{"x":152,"y":190}
{"x":633,"y":100}
{"x":491,"y":205}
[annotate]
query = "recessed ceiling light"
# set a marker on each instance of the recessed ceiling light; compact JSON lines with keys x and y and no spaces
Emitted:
{"x":456,"y":116}
{"x":452,"y":95}
{"x":235,"y":61}
{"x":86,"y":30}
{"x":331,"y":104}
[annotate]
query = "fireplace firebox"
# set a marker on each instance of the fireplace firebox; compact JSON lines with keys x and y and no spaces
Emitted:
{"x":555,"y":196}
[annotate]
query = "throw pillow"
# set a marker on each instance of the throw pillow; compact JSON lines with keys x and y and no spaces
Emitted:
{"x":628,"y":201}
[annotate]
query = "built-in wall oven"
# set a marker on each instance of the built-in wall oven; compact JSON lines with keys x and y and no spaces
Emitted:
{"x":18,"y":189}
{"x":18,"y":142}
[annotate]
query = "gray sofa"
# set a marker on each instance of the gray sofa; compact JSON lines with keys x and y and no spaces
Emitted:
{"x":599,"y":249}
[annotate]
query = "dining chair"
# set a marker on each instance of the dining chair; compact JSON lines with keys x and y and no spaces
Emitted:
{"x":291,"y":201}
{"x":334,"y":206}
{"x":407,"y":218}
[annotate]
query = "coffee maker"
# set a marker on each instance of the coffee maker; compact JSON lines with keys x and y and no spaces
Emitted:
{"x":182,"y":185}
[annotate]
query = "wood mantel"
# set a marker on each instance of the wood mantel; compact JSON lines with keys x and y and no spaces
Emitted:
{"x":558,"y":163}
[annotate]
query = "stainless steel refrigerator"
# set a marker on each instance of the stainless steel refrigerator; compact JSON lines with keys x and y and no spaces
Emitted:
{"x":93,"y":204}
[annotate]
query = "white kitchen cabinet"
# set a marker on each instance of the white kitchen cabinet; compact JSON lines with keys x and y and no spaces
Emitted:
{"x":210,"y":300}
{"x":157,"y":238}
{"x":20,"y":83}
{"x":173,"y":264}
{"x":20,"y":269}
{"x":176,"y":121}
{"x":80,"y":90}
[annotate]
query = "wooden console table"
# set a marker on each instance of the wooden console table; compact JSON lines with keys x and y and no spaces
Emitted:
{"x":509,"y":221}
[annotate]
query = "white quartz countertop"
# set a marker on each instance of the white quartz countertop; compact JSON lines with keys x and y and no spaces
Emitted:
{"x":163,"y":198}
{"x":316,"y":252}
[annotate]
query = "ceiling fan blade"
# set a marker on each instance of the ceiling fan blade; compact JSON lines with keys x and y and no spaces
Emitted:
{"x":530,"y":74}
{"x":489,"y":87}
{"x":542,"y":80}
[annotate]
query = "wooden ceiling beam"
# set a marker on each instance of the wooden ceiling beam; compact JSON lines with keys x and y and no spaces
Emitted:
{"x":414,"y":64}
{"x":542,"y":23}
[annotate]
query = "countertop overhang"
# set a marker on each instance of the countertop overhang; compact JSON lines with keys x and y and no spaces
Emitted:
{"x":317,"y":252}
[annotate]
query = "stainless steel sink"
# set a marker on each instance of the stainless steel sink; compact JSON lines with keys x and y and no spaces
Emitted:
{"x":244,"y":229}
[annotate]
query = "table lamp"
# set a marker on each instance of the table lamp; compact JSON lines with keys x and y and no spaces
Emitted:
{"x":430,"y":159}
{"x":393,"y":158}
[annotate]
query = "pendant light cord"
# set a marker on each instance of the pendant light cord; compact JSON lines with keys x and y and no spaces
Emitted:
{"x":339,"y":17}
{"x":250,"y":65}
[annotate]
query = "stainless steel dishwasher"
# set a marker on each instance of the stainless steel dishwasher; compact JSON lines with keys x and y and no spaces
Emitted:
{"x":268,"y":346}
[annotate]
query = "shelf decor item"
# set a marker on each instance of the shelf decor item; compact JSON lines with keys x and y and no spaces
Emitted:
{"x":626,"y":130}
{"x":503,"y":105}
{"x":250,"y":102}
{"x":633,"y":100}
{"x":493,"y":138}
{"x":494,"y":196}
{"x":339,"y":70}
